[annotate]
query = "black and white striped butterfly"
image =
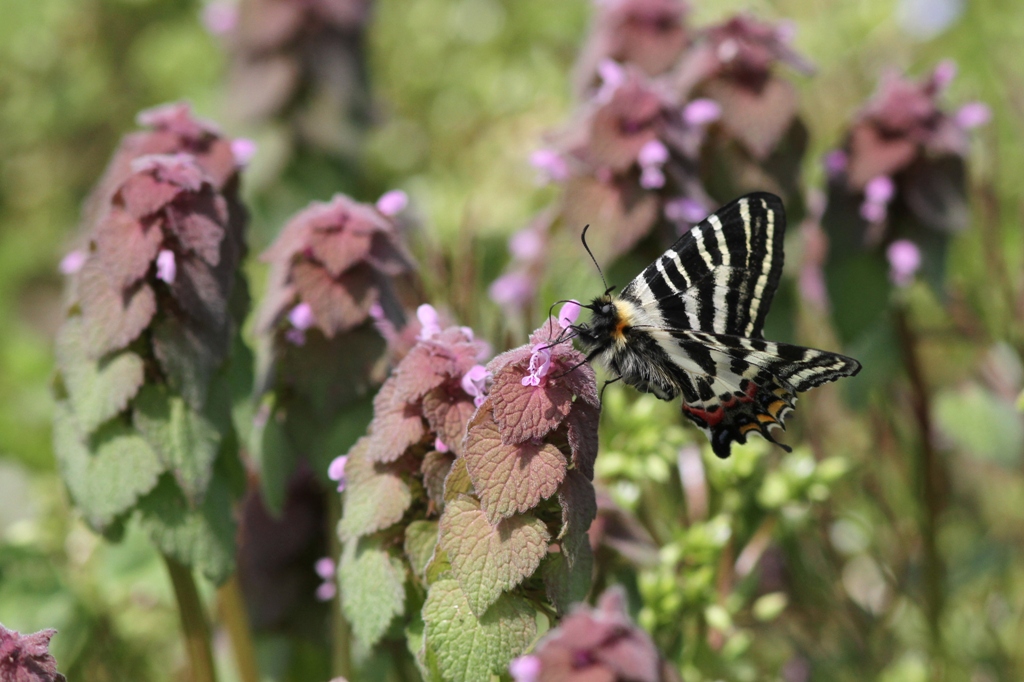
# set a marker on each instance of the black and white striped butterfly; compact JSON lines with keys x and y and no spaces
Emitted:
{"x":691,"y":324}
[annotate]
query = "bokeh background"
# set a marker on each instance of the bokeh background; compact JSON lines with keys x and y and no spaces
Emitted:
{"x":447,"y":99}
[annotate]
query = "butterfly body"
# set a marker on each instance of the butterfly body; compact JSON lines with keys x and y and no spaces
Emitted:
{"x":690,"y":325}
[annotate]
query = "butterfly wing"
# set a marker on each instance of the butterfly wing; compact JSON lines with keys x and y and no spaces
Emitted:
{"x":733,"y":386}
{"x":721,"y":275}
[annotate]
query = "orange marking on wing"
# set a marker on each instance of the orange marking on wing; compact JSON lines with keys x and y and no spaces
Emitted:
{"x":766,"y":419}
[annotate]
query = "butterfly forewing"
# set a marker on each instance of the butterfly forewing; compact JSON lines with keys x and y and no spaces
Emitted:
{"x":720,"y":276}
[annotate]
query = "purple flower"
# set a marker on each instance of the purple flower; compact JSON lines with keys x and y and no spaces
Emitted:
{"x":301,"y":316}
{"x":972,"y":115}
{"x":685,"y":210}
{"x":811,"y":284}
{"x":72,"y":262}
{"x":166,"y":266}
{"x":513,"y":289}
{"x":652,"y":177}
{"x":945,"y":72}
{"x":474,"y":383}
{"x":836,"y":162}
{"x":540,"y":365}
{"x":904,"y":261}
{"x":439,"y":444}
{"x":243,"y":150}
{"x":569,"y":313}
{"x":430,"y":322}
{"x":551,"y":166}
{"x":527,"y":245}
{"x":652,"y":157}
{"x":525,"y":669}
{"x":612,"y":76}
{"x":336,"y":471}
{"x":701,"y":112}
{"x":296,"y":337}
{"x":325,"y":568}
{"x":220,"y":18}
{"x":877,"y":195}
{"x":392,"y":203}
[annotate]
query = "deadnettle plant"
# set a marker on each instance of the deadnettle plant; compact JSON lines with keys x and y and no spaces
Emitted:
{"x":597,"y":644}
{"x":897,"y":185}
{"x":144,"y":385}
{"x":300,"y":61}
{"x":518,"y":502}
{"x":27,"y":658}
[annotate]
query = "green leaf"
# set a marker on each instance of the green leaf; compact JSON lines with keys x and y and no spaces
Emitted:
{"x":420,"y":540}
{"x":980,"y":423}
{"x":468,"y":649}
{"x":457,"y":482}
{"x":565,"y":582}
{"x":187,"y":361}
{"x":489,"y":560}
{"x":372,"y":588}
{"x":201,"y":537}
{"x":107,"y":474}
{"x":186,"y":442}
{"x":375,"y":497}
{"x":276,"y":459}
{"x":438,"y":568}
{"x":97,"y":389}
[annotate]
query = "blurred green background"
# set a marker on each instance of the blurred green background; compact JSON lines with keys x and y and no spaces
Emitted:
{"x":463,"y":91}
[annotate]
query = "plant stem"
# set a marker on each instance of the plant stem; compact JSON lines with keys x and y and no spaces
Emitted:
{"x":341,"y":633}
{"x":194,"y":625}
{"x":233,"y":614}
{"x":932,"y":480}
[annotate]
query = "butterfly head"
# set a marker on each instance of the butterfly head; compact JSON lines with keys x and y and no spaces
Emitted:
{"x":608,"y":318}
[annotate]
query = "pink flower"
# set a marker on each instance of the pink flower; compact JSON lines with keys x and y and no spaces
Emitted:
{"x":513,"y":289}
{"x":612,"y":76}
{"x":836,"y":162}
{"x":325,"y":568}
{"x":474,"y":383}
{"x":652,"y":177}
{"x":439,"y":444}
{"x":336,"y":471}
{"x":166,"y":267}
{"x":220,"y":18}
{"x":973,"y":115}
{"x":296,"y":337}
{"x":569,"y":313}
{"x":685,"y":210}
{"x":392,"y":203}
{"x":301,"y":316}
{"x":72,"y":262}
{"x":243,"y":149}
{"x":904,"y":261}
{"x":877,"y":195}
{"x":540,"y":365}
{"x":701,"y":112}
{"x":430,"y":322}
{"x":525,"y":669}
{"x":551,"y":166}
{"x":945,"y":72}
{"x":527,"y":245}
{"x":652,"y":157}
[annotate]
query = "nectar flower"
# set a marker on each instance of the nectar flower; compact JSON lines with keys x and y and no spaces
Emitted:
{"x":325,"y":568}
{"x":429,"y":320}
{"x":701,"y":112}
{"x":569,"y":313}
{"x":652,"y":157}
{"x":551,"y":166}
{"x":301,"y":316}
{"x":440,"y":446}
{"x":685,"y":210}
{"x":525,"y":669}
{"x":836,"y":162}
{"x":220,"y":17}
{"x":972,"y":115}
{"x":526,"y":245}
{"x":243,"y":149}
{"x":612,"y":76}
{"x":540,"y":365}
{"x":72,"y":262}
{"x":474,"y":382}
{"x":393,"y":202}
{"x":904,"y":261}
{"x":512,"y":289}
{"x":336,"y":471}
{"x":166,"y":267}
{"x":877,"y":195}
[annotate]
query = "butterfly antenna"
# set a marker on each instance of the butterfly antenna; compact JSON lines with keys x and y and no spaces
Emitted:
{"x":590,"y":253}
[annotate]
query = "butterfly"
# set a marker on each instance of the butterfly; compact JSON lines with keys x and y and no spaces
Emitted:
{"x":691,"y":324}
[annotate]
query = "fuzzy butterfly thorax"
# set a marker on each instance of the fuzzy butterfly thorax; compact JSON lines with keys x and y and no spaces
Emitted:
{"x":691,"y":325}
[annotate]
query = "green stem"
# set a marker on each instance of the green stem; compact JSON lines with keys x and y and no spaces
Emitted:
{"x":341,"y":633}
{"x":932,"y":481}
{"x":233,"y":614}
{"x":194,"y":625}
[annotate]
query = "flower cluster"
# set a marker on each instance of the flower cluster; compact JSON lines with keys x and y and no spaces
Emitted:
{"x":154,"y":304}
{"x":898,"y":182}
{"x":300,"y":60}
{"x":27,"y":658}
{"x":599,"y":643}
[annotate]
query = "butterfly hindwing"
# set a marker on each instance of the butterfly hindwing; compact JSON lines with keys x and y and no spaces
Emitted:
{"x":720,"y":276}
{"x":744,"y":385}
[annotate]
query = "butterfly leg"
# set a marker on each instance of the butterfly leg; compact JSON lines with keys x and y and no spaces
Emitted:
{"x":600,"y":395}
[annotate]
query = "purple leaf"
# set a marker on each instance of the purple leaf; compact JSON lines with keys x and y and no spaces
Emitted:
{"x":27,"y":658}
